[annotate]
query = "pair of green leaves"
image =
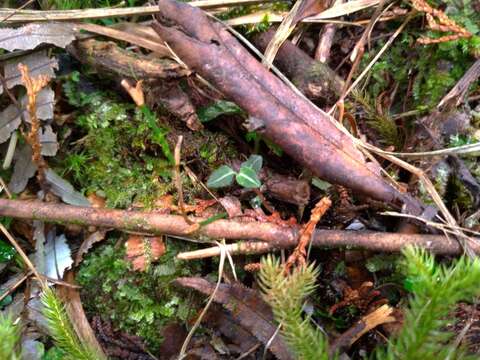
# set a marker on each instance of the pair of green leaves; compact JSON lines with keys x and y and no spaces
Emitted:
{"x":246,"y":177}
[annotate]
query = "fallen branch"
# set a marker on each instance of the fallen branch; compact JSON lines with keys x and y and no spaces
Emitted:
{"x":313,"y":78}
{"x":108,"y":57}
{"x":306,"y":133}
{"x":274,"y":236}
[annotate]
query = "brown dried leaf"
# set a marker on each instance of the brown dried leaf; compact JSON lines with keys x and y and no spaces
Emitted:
{"x":30,"y":36}
{"x":143,"y":250}
{"x":232,"y":205}
{"x":247,"y":308}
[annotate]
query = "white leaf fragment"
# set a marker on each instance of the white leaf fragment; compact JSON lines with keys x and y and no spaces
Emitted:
{"x":58,"y":257}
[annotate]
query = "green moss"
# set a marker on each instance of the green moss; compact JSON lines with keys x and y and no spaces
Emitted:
{"x":123,"y":153}
{"x":138,"y":303}
{"x":426,"y":71}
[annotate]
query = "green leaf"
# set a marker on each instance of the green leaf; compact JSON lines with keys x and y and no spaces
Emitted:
{"x":221,"y":107}
{"x":255,"y":162}
{"x":221,"y":177}
{"x":247,"y":177}
{"x":6,"y":252}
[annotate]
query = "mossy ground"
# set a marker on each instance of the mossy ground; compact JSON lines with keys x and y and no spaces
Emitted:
{"x":139,"y":303}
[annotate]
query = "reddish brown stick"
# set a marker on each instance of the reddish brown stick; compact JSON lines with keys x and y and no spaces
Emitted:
{"x":277,"y":236}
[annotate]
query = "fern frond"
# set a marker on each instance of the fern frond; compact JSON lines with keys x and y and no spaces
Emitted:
{"x":436,"y":289}
{"x":62,"y":331}
{"x":9,"y":338}
{"x":286,"y":294}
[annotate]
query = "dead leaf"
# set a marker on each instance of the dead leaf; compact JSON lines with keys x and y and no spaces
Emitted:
{"x":97,"y":202}
{"x":91,"y":239}
{"x":49,"y":142}
{"x":10,"y":118}
{"x":38,"y":63}
{"x":64,"y":189}
{"x":247,"y":308}
{"x":45,"y":102}
{"x":23,"y":170}
{"x":143,"y":250}
{"x":30,"y":36}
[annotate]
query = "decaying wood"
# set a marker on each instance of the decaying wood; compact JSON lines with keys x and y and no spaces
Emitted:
{"x":276,"y":236}
{"x":313,"y":78}
{"x":108,"y":57}
{"x":302,"y":130}
{"x":287,"y":189}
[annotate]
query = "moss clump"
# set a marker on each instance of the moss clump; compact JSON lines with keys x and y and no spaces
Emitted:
{"x":122,"y":154}
{"x":139,"y":303}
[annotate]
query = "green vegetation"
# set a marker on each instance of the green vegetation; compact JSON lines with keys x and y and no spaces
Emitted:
{"x":286,"y":296}
{"x":62,"y":331}
{"x":435,"y":290}
{"x":10,"y":336}
{"x":246,"y":177}
{"x":433,"y":68}
{"x":123,"y":154}
{"x":139,"y":303}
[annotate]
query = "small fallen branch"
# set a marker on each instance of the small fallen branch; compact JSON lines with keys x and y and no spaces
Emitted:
{"x":271,"y":235}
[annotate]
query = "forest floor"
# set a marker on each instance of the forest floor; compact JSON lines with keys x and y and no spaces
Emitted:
{"x":240,"y":179}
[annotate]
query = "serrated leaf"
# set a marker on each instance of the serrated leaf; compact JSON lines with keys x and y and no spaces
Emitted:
{"x":247,"y":177}
{"x":221,"y":177}
{"x":221,"y":107}
{"x":255,"y":162}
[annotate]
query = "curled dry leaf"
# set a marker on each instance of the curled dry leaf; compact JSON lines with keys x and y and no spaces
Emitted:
{"x":143,"y":250}
{"x":87,"y":244}
{"x":30,"y":36}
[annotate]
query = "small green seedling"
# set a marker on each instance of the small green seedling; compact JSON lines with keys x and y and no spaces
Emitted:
{"x":246,"y":177}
